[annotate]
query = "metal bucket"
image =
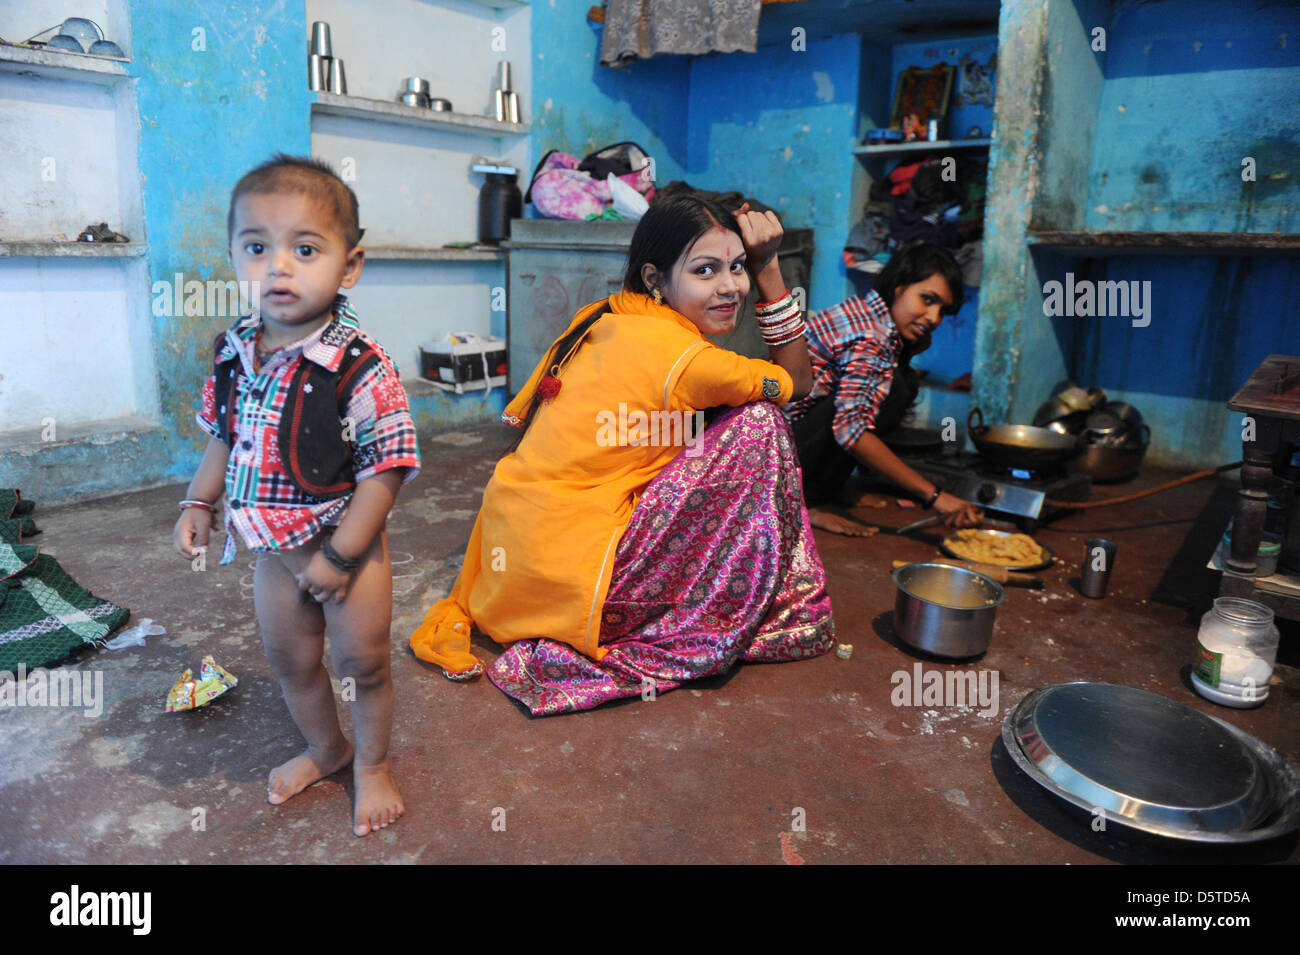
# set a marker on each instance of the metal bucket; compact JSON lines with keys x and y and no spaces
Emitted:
{"x":945,"y":610}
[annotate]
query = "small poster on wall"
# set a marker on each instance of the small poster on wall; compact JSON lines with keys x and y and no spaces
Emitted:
{"x":975,"y":81}
{"x":922,"y":93}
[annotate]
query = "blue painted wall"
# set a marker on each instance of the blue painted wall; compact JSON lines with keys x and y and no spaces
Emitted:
{"x":207,"y":116}
{"x":1213,"y":84}
{"x":779,"y":125}
{"x":582,"y":106}
{"x":1183,"y":99}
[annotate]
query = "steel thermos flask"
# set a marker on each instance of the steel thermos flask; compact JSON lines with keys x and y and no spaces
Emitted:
{"x":499,"y":201}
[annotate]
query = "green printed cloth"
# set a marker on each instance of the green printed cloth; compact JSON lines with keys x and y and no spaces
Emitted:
{"x":44,"y":613}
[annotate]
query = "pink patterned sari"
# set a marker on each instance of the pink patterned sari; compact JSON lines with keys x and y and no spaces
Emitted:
{"x":717,"y":565}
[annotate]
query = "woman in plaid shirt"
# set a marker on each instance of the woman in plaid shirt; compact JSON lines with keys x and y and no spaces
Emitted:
{"x":308,"y":488}
{"x":863,"y":383}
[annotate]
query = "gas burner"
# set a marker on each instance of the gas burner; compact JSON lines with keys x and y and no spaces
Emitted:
{"x":1031,"y":476}
{"x":1020,"y":494}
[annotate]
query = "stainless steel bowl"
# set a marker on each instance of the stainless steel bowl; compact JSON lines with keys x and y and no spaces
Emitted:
{"x":945,"y":610}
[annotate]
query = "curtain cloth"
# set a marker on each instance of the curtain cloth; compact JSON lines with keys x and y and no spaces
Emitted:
{"x":640,"y":29}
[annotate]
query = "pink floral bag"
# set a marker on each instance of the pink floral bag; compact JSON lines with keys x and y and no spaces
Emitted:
{"x":566,"y":187}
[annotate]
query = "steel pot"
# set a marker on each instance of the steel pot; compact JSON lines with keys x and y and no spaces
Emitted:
{"x":945,"y":610}
{"x":1112,"y":462}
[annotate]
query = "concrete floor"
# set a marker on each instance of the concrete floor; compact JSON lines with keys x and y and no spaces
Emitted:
{"x":716,"y":772}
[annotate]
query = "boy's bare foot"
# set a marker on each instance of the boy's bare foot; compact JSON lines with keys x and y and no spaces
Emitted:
{"x":289,"y":779}
{"x":839,"y":525}
{"x":379,"y":804}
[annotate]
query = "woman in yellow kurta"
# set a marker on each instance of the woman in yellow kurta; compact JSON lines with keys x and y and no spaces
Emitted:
{"x":622,"y":548}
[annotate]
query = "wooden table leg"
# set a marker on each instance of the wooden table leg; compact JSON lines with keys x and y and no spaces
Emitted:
{"x":1252,"y":506}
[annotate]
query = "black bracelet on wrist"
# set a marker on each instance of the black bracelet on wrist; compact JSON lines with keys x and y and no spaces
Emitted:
{"x":347,"y":565}
{"x":933,"y":497}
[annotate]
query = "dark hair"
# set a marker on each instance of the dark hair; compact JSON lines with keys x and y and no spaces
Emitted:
{"x":665,"y":232}
{"x":916,"y":263}
{"x":305,"y":176}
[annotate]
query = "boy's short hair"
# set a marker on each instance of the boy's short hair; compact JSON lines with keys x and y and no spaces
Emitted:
{"x":305,"y":176}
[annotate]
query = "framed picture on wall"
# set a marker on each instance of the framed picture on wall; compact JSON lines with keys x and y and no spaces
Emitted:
{"x":924,"y":92}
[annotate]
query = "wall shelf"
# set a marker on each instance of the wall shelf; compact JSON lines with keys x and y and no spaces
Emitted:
{"x":56,"y":250}
{"x":357,"y":107}
{"x":59,"y":65}
{"x":501,"y":4}
{"x":940,"y":145}
{"x":1099,"y":244}
{"x":400,"y":253}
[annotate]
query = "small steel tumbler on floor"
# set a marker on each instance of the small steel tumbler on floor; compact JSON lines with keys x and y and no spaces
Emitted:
{"x":1098,"y":561}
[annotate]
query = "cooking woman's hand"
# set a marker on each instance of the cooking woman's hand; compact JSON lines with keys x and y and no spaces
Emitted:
{"x":761,"y":233}
{"x":956,"y":512}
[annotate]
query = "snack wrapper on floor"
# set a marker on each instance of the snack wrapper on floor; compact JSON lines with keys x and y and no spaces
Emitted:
{"x":190,"y":694}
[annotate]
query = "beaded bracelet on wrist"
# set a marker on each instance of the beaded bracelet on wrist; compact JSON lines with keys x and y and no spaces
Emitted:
{"x":345,"y":564}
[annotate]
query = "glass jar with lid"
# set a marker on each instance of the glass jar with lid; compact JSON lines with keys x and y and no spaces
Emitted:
{"x":1235,"y":651}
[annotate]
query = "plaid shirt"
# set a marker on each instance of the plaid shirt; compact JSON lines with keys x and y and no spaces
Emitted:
{"x":853,"y":348}
{"x":263,"y":504}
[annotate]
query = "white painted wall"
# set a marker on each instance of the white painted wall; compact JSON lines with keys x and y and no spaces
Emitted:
{"x":82,"y":134}
{"x":413,"y":184}
{"x":405,"y":304}
{"x":77,"y":331}
{"x":76,"y":342}
{"x":448,"y":42}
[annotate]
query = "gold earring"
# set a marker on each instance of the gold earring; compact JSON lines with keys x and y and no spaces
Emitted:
{"x":659,"y":299}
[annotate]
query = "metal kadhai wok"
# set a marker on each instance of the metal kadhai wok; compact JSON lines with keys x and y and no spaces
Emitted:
{"x":1020,"y":445}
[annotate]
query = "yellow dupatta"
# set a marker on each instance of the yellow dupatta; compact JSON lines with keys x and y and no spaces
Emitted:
{"x":443,"y":637}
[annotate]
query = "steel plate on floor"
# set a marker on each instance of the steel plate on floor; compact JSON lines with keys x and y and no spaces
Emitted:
{"x":1153,"y":764}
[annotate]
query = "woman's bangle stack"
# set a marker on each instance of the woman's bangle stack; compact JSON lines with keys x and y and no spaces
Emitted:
{"x":781,"y":321}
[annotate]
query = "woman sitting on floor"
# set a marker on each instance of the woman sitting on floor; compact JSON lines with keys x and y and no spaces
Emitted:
{"x":621,"y":548}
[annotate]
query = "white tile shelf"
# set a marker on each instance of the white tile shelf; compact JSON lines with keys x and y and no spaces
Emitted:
{"x":502,"y":4}
{"x":59,"y":65}
{"x":402,"y":253}
{"x":940,"y":145}
{"x":107,"y":250}
{"x":357,"y":107}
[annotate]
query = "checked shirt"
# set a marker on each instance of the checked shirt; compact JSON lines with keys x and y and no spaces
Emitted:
{"x":267,"y":509}
{"x":853,"y":348}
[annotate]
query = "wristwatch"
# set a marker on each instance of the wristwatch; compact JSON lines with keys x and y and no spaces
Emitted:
{"x":771,"y":389}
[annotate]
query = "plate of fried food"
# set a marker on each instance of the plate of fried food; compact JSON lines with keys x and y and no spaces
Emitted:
{"x":1007,"y":549}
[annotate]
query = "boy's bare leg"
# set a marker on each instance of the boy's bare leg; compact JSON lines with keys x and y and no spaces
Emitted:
{"x":359,"y":640}
{"x":293,"y":634}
